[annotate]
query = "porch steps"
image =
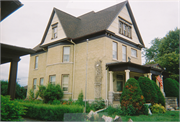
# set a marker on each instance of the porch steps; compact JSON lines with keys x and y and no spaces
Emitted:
{"x":171,"y":103}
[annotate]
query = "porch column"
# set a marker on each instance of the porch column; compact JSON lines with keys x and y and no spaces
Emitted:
{"x":12,"y":78}
{"x":127,"y":74}
{"x":111,"y":87}
{"x":149,"y":76}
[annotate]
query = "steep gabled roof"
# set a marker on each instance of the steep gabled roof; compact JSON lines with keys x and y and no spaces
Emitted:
{"x":92,"y":22}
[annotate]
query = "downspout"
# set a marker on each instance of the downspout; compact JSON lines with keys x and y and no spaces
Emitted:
{"x":73,"y":69}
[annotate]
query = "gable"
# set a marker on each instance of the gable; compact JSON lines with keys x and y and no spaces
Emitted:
{"x":60,"y":31}
{"x":114,"y":27}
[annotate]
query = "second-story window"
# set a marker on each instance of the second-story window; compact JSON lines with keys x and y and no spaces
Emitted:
{"x":114,"y":50}
{"x":124,"y":58}
{"x":66,"y":54}
{"x":54,"y":31}
{"x":133,"y":53}
{"x":36,"y":62}
{"x":52,"y":79}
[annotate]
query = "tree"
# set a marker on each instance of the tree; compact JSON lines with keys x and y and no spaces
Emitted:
{"x":165,"y":51}
{"x":20,"y":91}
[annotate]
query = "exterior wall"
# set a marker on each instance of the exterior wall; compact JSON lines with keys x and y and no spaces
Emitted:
{"x":114,"y":27}
{"x":60,"y":31}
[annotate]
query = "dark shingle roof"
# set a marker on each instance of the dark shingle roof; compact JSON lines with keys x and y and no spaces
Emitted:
{"x":92,"y":22}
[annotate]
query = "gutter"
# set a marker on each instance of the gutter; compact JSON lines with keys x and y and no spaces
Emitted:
{"x":73,"y":68}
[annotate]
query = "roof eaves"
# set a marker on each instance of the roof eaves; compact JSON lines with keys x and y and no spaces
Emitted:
{"x":134,"y":23}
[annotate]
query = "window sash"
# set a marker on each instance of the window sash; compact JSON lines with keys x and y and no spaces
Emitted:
{"x":120,"y":27}
{"x":66,"y":54}
{"x":52,"y":79}
{"x":124,"y":58}
{"x":41,"y":81}
{"x":54,"y":31}
{"x":34,"y":83}
{"x":65,"y":82}
{"x":124,"y":29}
{"x":36,"y":62}
{"x":114,"y":50}
{"x":133,"y":53}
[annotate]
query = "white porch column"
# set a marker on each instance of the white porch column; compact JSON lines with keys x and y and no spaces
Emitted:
{"x":111,"y":81}
{"x":127,"y":74}
{"x":145,"y":75}
{"x":149,"y":76}
{"x":111,"y":87}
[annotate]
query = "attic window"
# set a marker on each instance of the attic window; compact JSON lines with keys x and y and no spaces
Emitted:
{"x":54,"y":31}
{"x":125,"y":28}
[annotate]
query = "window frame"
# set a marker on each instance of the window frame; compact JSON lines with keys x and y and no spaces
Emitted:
{"x":62,"y":79}
{"x":34,"y":85}
{"x":40,"y":81}
{"x":125,"y":26}
{"x":113,"y":42}
{"x":132,"y":53}
{"x":36,"y":62}
{"x":66,"y":54}
{"x":50,"y":79}
{"x":123,"y":53}
{"x":54,"y":26}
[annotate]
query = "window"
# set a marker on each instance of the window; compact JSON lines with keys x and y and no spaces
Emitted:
{"x":124,"y":58}
{"x":66,"y":55}
{"x":36,"y":62}
{"x":133,"y":53}
{"x":120,"y":27}
{"x":120,"y":80}
{"x":114,"y":50}
{"x":54,"y":31}
{"x":129,"y":32}
{"x":125,"y":27}
{"x":65,"y":80}
{"x":41,"y":81}
{"x":52,"y":79}
{"x":34,"y":83}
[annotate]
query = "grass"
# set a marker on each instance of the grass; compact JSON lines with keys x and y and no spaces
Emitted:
{"x":168,"y":116}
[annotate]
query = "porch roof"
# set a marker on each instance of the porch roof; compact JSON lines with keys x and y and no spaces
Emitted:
{"x":121,"y":66}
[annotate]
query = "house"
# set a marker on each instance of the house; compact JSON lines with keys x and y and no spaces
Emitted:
{"x":102,"y":48}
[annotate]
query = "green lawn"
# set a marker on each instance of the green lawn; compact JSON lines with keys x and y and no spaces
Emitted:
{"x":168,"y":116}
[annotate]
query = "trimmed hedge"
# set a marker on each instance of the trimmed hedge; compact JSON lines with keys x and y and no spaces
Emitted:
{"x":49,"y":112}
{"x":161,"y":99}
{"x":11,"y":110}
{"x":148,"y":90}
{"x":132,"y":99}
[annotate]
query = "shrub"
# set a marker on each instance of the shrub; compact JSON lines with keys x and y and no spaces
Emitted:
{"x":47,"y":112}
{"x":52,"y":92}
{"x":158,"y":108}
{"x":10,"y":110}
{"x":20,"y":91}
{"x":41,"y":91}
{"x":145,"y":109}
{"x":111,"y":110}
{"x":161,"y":99}
{"x":80,"y":98}
{"x":55,"y":102}
{"x":170,"y":88}
{"x":98,"y":104}
{"x":148,"y":90}
{"x":132,"y":97}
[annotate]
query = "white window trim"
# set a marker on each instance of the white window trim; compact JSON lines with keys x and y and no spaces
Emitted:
{"x":136,"y":53}
{"x":36,"y":62}
{"x":123,"y":53}
{"x":54,"y":26}
{"x":66,"y":54}
{"x":35,"y":83}
{"x":115,"y":50}
{"x":50,"y":79}
{"x":67,"y":83}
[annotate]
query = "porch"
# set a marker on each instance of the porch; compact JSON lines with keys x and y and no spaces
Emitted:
{"x":120,"y":72}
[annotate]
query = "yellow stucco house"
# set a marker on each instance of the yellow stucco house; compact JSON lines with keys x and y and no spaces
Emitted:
{"x":96,"y":53}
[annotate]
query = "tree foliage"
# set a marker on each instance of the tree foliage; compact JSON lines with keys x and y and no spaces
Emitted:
{"x":148,"y":90}
{"x":20,"y":91}
{"x":165,"y":51}
{"x":132,"y":99}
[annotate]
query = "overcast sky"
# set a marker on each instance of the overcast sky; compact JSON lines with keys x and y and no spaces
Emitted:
{"x":26,"y":26}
